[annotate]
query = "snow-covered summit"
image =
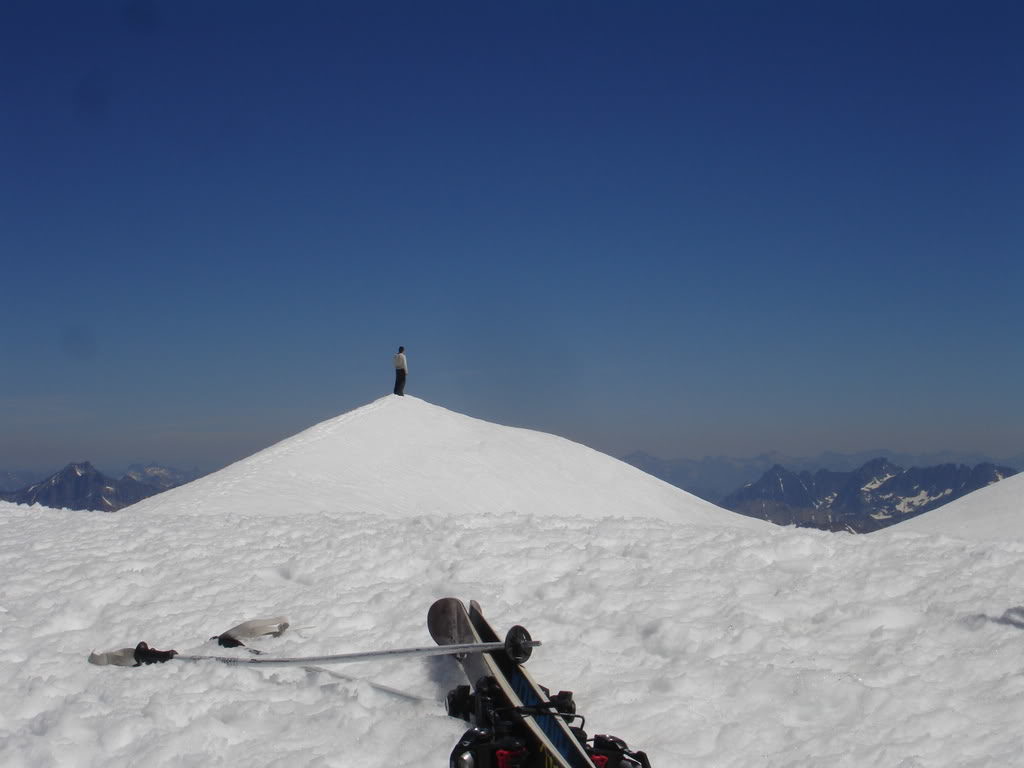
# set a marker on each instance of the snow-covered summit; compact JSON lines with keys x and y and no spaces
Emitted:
{"x":993,"y":512}
{"x":404,"y":456}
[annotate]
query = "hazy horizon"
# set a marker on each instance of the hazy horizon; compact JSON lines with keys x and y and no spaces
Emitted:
{"x":114,"y":464}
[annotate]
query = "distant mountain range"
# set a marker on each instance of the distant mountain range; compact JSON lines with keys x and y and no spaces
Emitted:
{"x":12,"y":481}
{"x":161,"y":477}
{"x":80,"y":486}
{"x":715,"y":477}
{"x":871,"y":497}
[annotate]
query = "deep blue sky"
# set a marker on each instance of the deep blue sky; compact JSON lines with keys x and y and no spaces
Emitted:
{"x":690,"y":228}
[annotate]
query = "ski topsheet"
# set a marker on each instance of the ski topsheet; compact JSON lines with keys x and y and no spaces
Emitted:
{"x":451,"y":624}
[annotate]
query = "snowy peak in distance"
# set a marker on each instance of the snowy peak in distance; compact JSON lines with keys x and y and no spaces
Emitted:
{"x":403,"y":456}
{"x":159,"y":476}
{"x":80,"y":486}
{"x":873,"y":496}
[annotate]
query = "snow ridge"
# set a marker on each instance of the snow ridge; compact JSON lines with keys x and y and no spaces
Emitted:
{"x":995,"y":512}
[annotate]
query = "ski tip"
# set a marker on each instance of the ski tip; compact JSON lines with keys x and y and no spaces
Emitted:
{"x":446,"y":621}
{"x":446,"y":601}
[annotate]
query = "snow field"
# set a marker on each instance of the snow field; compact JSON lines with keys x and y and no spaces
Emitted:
{"x":704,"y":645}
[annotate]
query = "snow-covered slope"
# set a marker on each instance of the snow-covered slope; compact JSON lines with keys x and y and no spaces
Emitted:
{"x":705,"y":644}
{"x":404,"y":456}
{"x":993,"y":512}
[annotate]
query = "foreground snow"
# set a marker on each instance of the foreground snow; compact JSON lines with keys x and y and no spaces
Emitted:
{"x":703,"y":642}
{"x":703,"y":646}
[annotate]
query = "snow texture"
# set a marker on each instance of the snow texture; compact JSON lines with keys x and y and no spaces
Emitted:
{"x":703,"y":637}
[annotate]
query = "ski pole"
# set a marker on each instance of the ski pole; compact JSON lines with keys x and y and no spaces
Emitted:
{"x":518,"y":645}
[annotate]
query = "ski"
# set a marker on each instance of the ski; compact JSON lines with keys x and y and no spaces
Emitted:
{"x":451,"y":625}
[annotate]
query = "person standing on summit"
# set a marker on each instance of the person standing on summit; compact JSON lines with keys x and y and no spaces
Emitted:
{"x":401,"y":369}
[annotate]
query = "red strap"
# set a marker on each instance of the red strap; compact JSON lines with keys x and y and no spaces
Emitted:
{"x":506,"y":756}
{"x":601,"y":761}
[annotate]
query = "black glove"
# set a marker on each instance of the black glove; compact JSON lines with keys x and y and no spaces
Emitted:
{"x":146,"y":655}
{"x":228,"y":641}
